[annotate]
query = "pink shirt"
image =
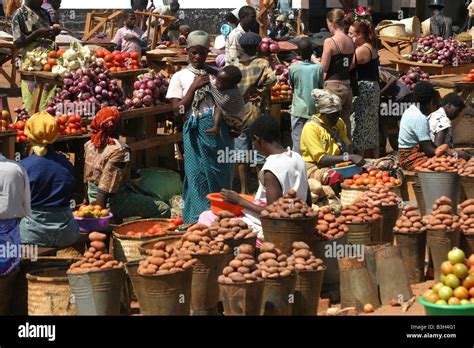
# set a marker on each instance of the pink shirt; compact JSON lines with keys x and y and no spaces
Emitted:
{"x":129,"y":45}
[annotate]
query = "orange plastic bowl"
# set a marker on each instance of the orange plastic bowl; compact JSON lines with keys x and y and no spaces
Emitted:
{"x":218,"y":204}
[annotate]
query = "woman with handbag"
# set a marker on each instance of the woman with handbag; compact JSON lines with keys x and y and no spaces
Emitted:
{"x":338,"y":52}
{"x":365,"y":120}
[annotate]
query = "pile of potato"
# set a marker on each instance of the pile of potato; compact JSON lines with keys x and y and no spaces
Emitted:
{"x":380,"y":196}
{"x":226,"y":227}
{"x":273,"y":263}
{"x":441,"y":162}
{"x":289,"y":207}
{"x":329,"y":225}
{"x":242,"y":269}
{"x":410,"y":221}
{"x":442,"y":217}
{"x":165,"y":261}
{"x":95,"y":258}
{"x":360,"y":211}
{"x":467,"y":216}
{"x":467,"y":169}
{"x":198,"y":240}
{"x":303,"y":259}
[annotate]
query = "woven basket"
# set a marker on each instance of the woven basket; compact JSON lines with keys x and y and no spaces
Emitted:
{"x":146,"y":248}
{"x":49,"y":293}
{"x":389,"y":28}
{"x":412,"y":26}
{"x":350,"y":195}
{"x":126,"y":248}
{"x":426,"y":27}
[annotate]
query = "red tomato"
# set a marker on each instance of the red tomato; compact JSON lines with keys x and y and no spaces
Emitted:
{"x":20,"y":125}
{"x":134,"y":62}
{"x":119,"y":69}
{"x":178,"y":221}
{"x":113,"y":69}
{"x":134,"y":55}
{"x":20,"y":132}
{"x":84,"y":130}
{"x":67,"y":131}
{"x":357,"y":176}
{"x":116,"y":52}
{"x":109,"y":58}
{"x":99,"y":53}
{"x":134,"y":67}
{"x":385,"y":174}
{"x":60,"y":52}
{"x":108,"y":65}
{"x":129,"y":67}
{"x":125,"y":55}
{"x":373,"y":173}
{"x":118,"y":57}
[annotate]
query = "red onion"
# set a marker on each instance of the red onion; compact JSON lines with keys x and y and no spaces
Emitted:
{"x":150,"y":84}
{"x":98,"y":89}
{"x":148,"y":100}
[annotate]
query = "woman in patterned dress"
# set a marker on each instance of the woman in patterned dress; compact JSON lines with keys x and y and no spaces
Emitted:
{"x":365,"y":120}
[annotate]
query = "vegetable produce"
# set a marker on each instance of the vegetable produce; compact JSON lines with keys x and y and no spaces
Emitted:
{"x":289,"y":207}
{"x":268,"y":46}
{"x":227,"y":227}
{"x":413,"y":76}
{"x":19,"y":126}
{"x":70,"y":125}
{"x":442,"y":217}
{"x":373,"y":178}
{"x":273,"y":263}
{"x":242,"y":269}
{"x":457,"y":286}
{"x":360,"y":212}
{"x":95,"y":258}
{"x":149,"y":90}
{"x":6,"y":120}
{"x":91,"y":211}
{"x":21,"y":114}
{"x":380,"y":196}
{"x":467,"y":169}
{"x":410,"y":221}
{"x":435,"y":50}
{"x":469,"y":77}
{"x":330,"y":226}
{"x":303,"y":259}
{"x":198,"y":240}
{"x":158,"y":229}
{"x":75,"y":57}
{"x":467,"y":216}
{"x":40,"y":59}
{"x":117,"y":61}
{"x":86,"y":91}
{"x":442,"y":162}
{"x":368,"y":308}
{"x":165,"y":260}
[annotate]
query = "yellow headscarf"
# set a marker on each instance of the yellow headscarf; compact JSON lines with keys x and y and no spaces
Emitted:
{"x":42,"y":130}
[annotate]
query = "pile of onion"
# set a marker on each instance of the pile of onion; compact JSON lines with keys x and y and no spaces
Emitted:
{"x":149,"y":90}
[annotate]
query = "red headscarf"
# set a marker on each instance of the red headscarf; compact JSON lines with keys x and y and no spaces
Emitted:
{"x":103,"y":126}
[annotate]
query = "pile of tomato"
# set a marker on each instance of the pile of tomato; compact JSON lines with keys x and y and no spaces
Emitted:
{"x":374,"y":178}
{"x":70,"y":125}
{"x":117,"y":61}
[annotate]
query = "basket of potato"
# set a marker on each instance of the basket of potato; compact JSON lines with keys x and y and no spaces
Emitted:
{"x":410,"y":234}
{"x":164,"y":281}
{"x":241,"y":284}
{"x":97,"y":280}
{"x":288,"y":220}
{"x":146,"y":248}
{"x":212,"y":256}
{"x":280,"y":280}
{"x":389,"y":204}
{"x":330,"y":226}
{"x":467,"y":178}
{"x":443,"y":231}
{"x":309,"y":279}
{"x":364,"y":222}
{"x":232,"y":231}
{"x":467,"y":225}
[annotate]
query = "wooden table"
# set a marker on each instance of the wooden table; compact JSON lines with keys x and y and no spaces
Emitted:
{"x":7,"y":144}
{"x":14,"y":50}
{"x":128,"y":78}
{"x":40,"y":78}
{"x":432,"y":69}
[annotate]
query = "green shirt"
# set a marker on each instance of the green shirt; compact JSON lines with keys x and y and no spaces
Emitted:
{"x":304,"y":77}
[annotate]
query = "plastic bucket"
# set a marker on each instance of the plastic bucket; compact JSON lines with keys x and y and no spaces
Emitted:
{"x":390,"y":216}
{"x":49,"y":293}
{"x":413,"y":251}
{"x":164,"y":295}
{"x":468,"y":186}
{"x":7,"y":288}
{"x":439,"y":244}
{"x":307,"y":292}
{"x":359,"y":233}
{"x":331,"y":281}
{"x":205,"y":289}
{"x":279,"y":296}
{"x":283,"y":232}
{"x":432,"y":309}
{"x":98,"y":293}
{"x":242,"y":299}
{"x":436,"y":185}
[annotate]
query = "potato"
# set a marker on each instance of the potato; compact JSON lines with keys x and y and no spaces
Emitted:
{"x":300,"y":245}
{"x":99,"y":246}
{"x":271,"y":263}
{"x":97,"y":237}
{"x":157,"y":261}
{"x":237,"y":277}
{"x":235,"y":264}
{"x":248,"y":263}
{"x":243,"y":270}
{"x":266,"y":255}
{"x":190,"y":263}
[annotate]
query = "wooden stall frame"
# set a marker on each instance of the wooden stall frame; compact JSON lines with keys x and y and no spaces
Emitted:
{"x":14,"y":51}
{"x":106,"y":22}
{"x":160,"y":25}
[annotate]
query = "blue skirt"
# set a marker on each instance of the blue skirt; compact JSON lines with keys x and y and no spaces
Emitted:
{"x":9,"y":246}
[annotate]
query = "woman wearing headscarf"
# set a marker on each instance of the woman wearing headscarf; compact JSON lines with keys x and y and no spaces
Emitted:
{"x":204,"y":173}
{"x":50,"y":223}
{"x":324,"y":143}
{"x":107,"y":172}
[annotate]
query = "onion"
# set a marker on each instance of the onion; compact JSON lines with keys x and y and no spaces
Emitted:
{"x":137,"y":102}
{"x":148,"y":92}
{"x":143,"y":86}
{"x":158,"y":83}
{"x":99,"y":98}
{"x":165,"y":82}
{"x":150,"y":84}
{"x":264,"y":47}
{"x":148,"y":100}
{"x":98,"y":89}
{"x":136,"y":85}
{"x":105,"y":93}
{"x":141,"y":94}
{"x":67,"y":75}
{"x":103,"y":84}
{"x":129,"y":102}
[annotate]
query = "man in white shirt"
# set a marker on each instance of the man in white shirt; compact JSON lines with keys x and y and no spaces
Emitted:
{"x":440,"y":121}
{"x":15,"y":200}
{"x":233,"y":51}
